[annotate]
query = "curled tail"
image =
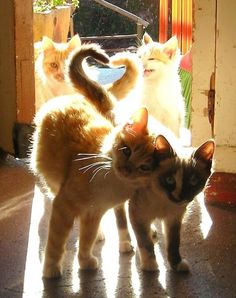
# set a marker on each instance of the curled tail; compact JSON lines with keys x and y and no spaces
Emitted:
{"x":93,"y":91}
{"x":127,"y":83}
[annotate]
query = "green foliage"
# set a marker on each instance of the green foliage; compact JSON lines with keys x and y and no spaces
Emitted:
{"x":41,"y":5}
{"x":44,"y":5}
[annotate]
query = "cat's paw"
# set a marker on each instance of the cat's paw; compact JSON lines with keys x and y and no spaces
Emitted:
{"x":52,"y":271}
{"x":89,"y":263}
{"x":182,"y":266}
{"x":149,"y":264}
{"x":125,"y":246}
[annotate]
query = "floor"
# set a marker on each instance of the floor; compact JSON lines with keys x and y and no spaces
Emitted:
{"x":208,"y":242}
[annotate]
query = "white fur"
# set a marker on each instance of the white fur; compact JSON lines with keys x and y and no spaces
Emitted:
{"x":162,"y":88}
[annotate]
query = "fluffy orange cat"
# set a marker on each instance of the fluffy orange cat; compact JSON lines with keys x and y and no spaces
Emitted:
{"x":89,"y":165}
{"x":50,"y":69}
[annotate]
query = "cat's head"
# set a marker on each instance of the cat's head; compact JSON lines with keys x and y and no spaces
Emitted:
{"x":159,"y":59}
{"x":181,"y":179}
{"x":133,"y":149}
{"x":54,"y":56}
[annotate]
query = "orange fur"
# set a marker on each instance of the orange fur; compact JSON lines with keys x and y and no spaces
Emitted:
{"x":68,"y":130}
{"x":50,"y":68}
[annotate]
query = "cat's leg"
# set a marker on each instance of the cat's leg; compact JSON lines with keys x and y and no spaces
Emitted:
{"x":89,"y":225}
{"x":100,"y":235}
{"x":124,"y":236}
{"x":142,"y":230}
{"x":172,"y":235}
{"x":61,"y":222}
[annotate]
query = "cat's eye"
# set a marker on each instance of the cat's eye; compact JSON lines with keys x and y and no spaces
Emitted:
{"x":151,"y":59}
{"x":145,"y":168}
{"x":169,"y":183}
{"x":53,"y":65}
{"x":193,"y":180}
{"x":126,"y":151}
{"x":170,"y":180}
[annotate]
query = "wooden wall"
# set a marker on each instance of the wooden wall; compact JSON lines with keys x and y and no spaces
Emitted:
{"x":16,"y":68}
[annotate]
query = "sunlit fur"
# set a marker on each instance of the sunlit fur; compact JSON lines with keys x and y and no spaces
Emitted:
{"x":124,"y":92}
{"x":89,"y":166}
{"x":50,"y":68}
{"x":173,"y":185}
{"x":161,"y":86}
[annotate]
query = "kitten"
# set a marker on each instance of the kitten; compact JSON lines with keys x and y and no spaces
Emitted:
{"x":90,"y":166}
{"x":49,"y":68}
{"x":173,"y":185}
{"x":161,"y":83}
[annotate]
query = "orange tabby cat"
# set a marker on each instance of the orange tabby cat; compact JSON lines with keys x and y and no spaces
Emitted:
{"x":89,"y":166}
{"x":49,"y":69}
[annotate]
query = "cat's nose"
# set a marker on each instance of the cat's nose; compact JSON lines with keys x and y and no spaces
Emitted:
{"x":127,"y":171}
{"x":60,"y":76}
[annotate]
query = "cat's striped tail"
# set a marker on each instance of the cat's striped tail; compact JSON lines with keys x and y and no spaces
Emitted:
{"x":92,"y":90}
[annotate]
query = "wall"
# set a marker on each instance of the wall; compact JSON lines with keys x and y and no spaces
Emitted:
{"x":203,"y":50}
{"x":214,"y":51}
{"x":225,"y":105}
{"x":7,"y":75}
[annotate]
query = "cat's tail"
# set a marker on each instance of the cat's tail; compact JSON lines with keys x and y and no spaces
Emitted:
{"x":130,"y":79}
{"x":92,"y":90}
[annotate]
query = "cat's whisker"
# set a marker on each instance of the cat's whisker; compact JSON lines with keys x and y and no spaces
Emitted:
{"x":90,"y":166}
{"x":104,"y":167}
{"x":91,"y":156}
{"x":96,"y":171}
{"x":107,"y":173}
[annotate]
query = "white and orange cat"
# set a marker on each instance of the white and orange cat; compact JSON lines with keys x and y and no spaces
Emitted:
{"x":179,"y":174}
{"x":50,"y":69}
{"x":88,"y":165}
{"x":162,"y":93}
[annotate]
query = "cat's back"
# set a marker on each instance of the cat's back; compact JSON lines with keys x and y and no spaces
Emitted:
{"x":65,"y":126}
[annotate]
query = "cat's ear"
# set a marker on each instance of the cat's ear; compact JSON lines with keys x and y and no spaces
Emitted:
{"x":47,"y":43}
{"x":171,"y":47}
{"x":205,"y":152}
{"x":146,"y":38}
{"x":162,"y":145}
{"x":138,"y":122}
{"x":75,"y":42}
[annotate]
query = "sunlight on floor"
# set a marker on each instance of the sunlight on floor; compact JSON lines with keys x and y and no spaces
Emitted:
{"x":115,"y":267}
{"x":33,"y":267}
{"x":206,"y":222}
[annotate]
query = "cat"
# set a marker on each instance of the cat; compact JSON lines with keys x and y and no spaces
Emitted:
{"x":174,"y":183}
{"x":90,"y":166}
{"x":49,"y":68}
{"x":176,"y":180}
{"x":51,"y":59}
{"x":162,"y":93}
{"x":121,"y":95}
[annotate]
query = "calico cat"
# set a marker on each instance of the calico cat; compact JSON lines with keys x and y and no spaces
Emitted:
{"x":49,"y":68}
{"x":161,"y":83}
{"x":173,"y":185}
{"x":89,"y":166}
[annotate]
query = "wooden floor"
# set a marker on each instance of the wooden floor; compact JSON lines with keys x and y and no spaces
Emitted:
{"x":208,"y":242}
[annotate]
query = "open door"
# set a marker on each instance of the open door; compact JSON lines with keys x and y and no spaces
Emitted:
{"x":214,"y":91}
